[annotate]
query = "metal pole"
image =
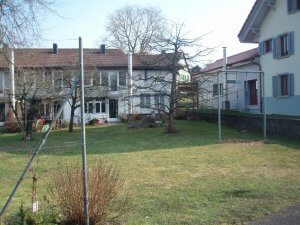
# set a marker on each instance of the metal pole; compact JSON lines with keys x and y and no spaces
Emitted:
{"x":39,"y":147}
{"x":12,"y":78}
{"x":83,"y":140}
{"x":219,"y":111}
{"x":130,"y":100}
{"x":264,"y":106}
{"x":226,"y":78}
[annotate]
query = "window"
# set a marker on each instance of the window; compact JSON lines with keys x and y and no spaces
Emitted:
{"x":113,"y":81}
{"x":268,"y":46}
{"x":2,"y":111}
{"x":96,"y":79}
{"x":293,"y":6}
{"x":283,"y":45}
{"x":48,"y":79}
{"x":122,"y":78}
{"x":215,"y":89}
{"x":91,"y":107}
{"x":87,"y":81}
{"x":85,"y":108}
{"x":1,"y":83}
{"x":145,"y":101}
{"x":283,"y":84}
{"x":97,"y":107}
{"x":159,"y":101}
{"x":103,"y":107}
{"x":57,"y":82}
{"x":104,"y":78}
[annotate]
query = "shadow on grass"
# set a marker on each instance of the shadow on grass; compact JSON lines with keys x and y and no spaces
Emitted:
{"x":120,"y":139}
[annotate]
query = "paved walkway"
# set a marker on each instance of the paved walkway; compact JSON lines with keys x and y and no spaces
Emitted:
{"x":288,"y":216}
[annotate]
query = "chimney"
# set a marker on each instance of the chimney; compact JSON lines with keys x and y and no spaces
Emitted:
{"x":102,"y":49}
{"x":55,"y":48}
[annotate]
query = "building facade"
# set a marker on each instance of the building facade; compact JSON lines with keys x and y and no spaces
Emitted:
{"x":274,"y":26}
{"x":111,"y":89}
{"x":243,"y":89}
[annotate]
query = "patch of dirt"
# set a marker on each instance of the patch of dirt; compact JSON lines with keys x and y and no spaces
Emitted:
{"x":244,"y":141}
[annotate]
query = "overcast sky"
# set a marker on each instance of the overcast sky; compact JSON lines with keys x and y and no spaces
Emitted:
{"x":86,"y":18}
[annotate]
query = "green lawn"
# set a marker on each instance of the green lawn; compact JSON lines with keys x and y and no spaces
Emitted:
{"x":183,"y":178}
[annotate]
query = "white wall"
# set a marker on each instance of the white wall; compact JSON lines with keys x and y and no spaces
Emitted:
{"x":236,"y":91}
{"x":277,"y":22}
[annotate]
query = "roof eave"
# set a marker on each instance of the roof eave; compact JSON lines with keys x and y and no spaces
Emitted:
{"x":250,"y":30}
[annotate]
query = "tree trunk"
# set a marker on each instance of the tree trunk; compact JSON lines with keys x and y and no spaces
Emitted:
{"x":71,"y":124}
{"x":171,"y":124}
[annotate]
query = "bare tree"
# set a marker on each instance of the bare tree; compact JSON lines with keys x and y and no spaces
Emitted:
{"x":20,"y":21}
{"x":134,"y":28}
{"x":178,"y":53}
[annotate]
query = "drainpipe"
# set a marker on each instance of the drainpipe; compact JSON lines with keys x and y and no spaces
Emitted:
{"x":260,"y":84}
{"x":130,"y":111}
{"x":12,"y":78}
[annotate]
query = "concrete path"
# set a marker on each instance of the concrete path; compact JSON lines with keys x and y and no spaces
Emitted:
{"x":287,"y":216}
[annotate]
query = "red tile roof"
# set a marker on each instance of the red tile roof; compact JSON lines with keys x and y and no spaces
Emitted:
{"x":113,"y":58}
{"x":231,"y":60}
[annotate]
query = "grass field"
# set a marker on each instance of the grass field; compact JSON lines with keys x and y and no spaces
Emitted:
{"x":183,"y":178}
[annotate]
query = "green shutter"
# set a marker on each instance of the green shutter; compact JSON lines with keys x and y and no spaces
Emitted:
{"x":291,"y":85}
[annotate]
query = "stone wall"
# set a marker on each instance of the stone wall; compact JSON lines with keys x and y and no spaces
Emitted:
{"x":283,"y":126}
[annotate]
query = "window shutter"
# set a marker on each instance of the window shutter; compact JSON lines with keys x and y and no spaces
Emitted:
{"x":275,"y":86}
{"x":275,"y":48}
{"x":261,"y":48}
{"x":292,"y":6}
{"x":290,"y":43}
{"x":291,"y":85}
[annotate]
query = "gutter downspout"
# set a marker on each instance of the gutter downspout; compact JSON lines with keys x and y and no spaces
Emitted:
{"x":260,"y":84}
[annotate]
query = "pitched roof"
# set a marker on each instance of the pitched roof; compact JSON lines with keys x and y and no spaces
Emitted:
{"x":250,"y":29}
{"x":232,"y":60}
{"x":113,"y":58}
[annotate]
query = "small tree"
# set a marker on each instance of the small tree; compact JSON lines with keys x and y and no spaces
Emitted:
{"x":134,"y":28}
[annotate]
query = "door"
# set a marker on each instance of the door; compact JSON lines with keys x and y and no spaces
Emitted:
{"x":113,"y":108}
{"x":253,"y":92}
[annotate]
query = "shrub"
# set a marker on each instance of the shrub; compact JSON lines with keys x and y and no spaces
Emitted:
{"x":24,"y":216}
{"x":93,"y":122}
{"x":106,"y":206}
{"x":11,"y":124}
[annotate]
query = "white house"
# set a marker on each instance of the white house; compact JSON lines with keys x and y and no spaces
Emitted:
{"x":275,"y":26}
{"x":244,"y":89}
{"x":110,"y":91}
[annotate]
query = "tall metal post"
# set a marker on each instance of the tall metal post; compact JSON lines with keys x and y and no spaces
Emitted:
{"x":225,"y":73}
{"x":219,"y":110}
{"x":12,"y":78}
{"x":264,"y":106}
{"x":83,"y":139}
{"x":130,"y":100}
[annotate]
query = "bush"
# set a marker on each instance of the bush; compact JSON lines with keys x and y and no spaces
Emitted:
{"x":46,"y":216}
{"x":93,"y":122}
{"x":11,"y":124}
{"x":106,"y":206}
